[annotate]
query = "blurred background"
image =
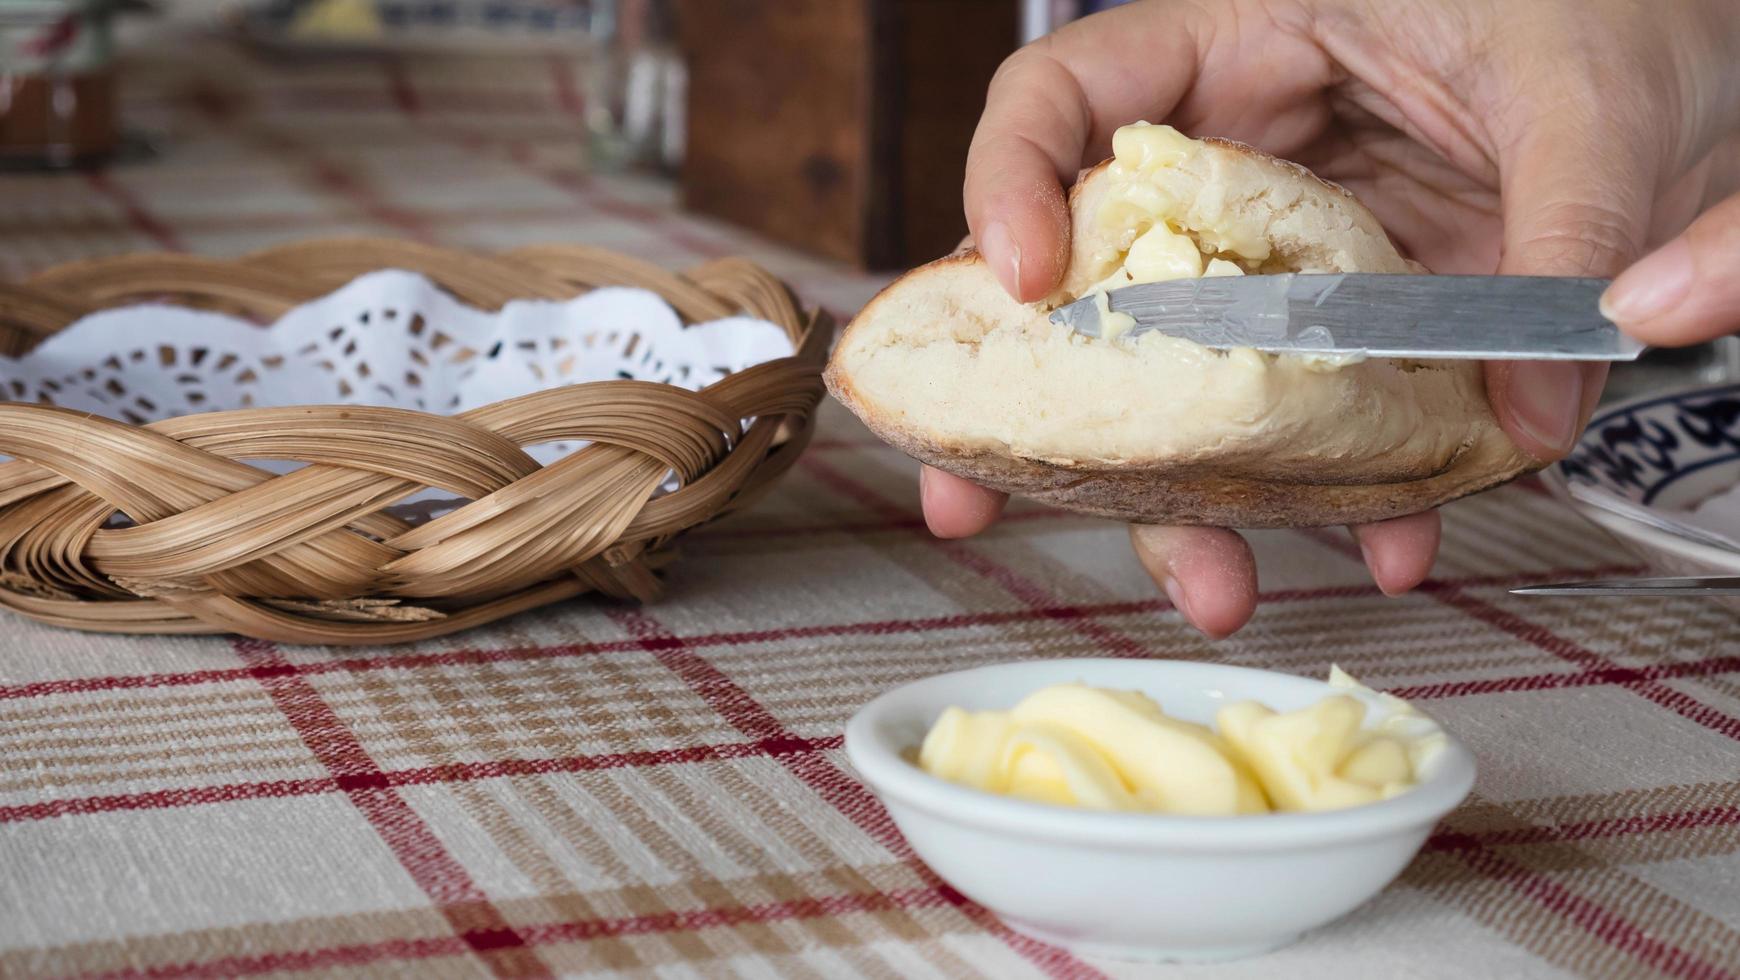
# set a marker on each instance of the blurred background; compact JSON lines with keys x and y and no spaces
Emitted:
{"x":838,"y":127}
{"x":826,"y":138}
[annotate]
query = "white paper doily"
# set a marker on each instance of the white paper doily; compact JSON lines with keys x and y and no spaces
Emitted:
{"x":389,"y":338}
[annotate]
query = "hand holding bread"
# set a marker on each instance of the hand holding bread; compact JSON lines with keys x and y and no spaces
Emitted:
{"x":1472,"y":150}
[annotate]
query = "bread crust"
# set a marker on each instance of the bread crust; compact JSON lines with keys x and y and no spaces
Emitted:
{"x":1227,"y":486}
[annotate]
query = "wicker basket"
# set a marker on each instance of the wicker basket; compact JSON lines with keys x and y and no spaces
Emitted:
{"x":219,"y":546}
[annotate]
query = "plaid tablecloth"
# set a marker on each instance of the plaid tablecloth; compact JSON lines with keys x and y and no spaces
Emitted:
{"x":661,"y":790}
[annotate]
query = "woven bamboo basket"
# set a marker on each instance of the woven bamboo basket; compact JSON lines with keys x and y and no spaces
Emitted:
{"x":314,"y":556}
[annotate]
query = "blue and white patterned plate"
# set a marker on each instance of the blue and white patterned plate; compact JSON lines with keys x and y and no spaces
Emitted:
{"x":1657,"y":457}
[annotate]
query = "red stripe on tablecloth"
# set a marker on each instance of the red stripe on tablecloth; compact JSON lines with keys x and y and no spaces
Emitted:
{"x":458,"y":772}
{"x":568,"y":96}
{"x":465,"y":905}
{"x":885,"y":627}
{"x":1686,"y":706}
{"x":400,"y":89}
{"x":845,"y":794}
{"x":689,"y":920}
{"x":300,"y":960}
{"x":581,"y":186}
{"x":335,"y":180}
{"x":1584,"y":678}
{"x":166,"y":798}
{"x":1542,"y":638}
{"x":1601,"y":922}
{"x":575,"y":930}
{"x":340,"y":182}
{"x":1655,"y":823}
{"x":1029,"y":593}
{"x":520,"y":103}
{"x":1534,"y":634}
{"x":138,"y":216}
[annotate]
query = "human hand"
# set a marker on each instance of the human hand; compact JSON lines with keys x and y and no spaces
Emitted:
{"x":1687,"y":291}
{"x":1560,"y":137}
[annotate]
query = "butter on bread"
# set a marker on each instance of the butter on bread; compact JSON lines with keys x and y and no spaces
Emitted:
{"x":945,"y":366}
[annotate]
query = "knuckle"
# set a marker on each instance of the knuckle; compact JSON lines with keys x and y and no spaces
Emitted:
{"x":1580,"y":239}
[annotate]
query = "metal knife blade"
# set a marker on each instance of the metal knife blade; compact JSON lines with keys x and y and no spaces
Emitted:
{"x":1710,"y":585}
{"x":1375,"y":315}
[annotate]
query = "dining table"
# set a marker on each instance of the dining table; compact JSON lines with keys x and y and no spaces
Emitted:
{"x":660,"y":789}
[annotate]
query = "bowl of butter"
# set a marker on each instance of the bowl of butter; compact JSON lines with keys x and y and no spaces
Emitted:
{"x":1158,"y":810}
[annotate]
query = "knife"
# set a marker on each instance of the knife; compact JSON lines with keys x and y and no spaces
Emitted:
{"x":1712,"y":585}
{"x":1375,"y":315}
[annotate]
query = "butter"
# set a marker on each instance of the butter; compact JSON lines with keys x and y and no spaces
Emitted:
{"x":1160,"y":253}
{"x":1143,"y":147}
{"x":1420,"y":734}
{"x":1317,"y":758}
{"x":1112,"y":324}
{"x":1074,"y":745}
{"x":1134,"y":202}
{"x":1136,"y":212}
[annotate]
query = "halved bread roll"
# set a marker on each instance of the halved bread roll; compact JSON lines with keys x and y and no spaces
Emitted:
{"x":944,"y":365}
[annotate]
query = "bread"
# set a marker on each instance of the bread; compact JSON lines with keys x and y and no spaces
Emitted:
{"x":944,"y":365}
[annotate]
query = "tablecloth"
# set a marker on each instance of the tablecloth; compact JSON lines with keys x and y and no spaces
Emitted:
{"x":661,"y":790}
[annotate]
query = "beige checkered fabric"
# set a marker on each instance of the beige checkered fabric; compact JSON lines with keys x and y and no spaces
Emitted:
{"x":660,"y":790}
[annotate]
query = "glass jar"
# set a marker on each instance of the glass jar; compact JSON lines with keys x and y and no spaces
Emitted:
{"x":635,"y":86}
{"x":57,"y":83}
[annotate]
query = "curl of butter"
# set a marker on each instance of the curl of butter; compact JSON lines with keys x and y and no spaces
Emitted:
{"x":1317,"y":758}
{"x":1420,"y":734}
{"x":1134,"y":201}
{"x":1075,"y":745}
{"x":1082,"y":746}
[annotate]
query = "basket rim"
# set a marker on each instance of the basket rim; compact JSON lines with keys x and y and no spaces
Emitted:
{"x":296,"y":272}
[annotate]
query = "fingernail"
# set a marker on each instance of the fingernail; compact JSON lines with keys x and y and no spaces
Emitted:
{"x":924,"y":487}
{"x":1655,"y":285}
{"x":1546,"y":401}
{"x":1175,"y":595}
{"x":1365,"y":555}
{"x":998,"y":247}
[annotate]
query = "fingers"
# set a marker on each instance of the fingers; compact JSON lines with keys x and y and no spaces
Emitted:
{"x":1209,"y":574}
{"x":1575,"y":204}
{"x":1687,"y":291}
{"x":1047,"y":104}
{"x":1016,"y":209}
{"x":1543,"y":405}
{"x":954,"y":508}
{"x":1400,"y":552}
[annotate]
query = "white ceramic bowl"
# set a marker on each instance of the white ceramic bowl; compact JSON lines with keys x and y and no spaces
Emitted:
{"x":1662,"y":452}
{"x":1142,"y":886}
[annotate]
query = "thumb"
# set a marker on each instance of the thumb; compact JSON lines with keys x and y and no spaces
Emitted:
{"x":1687,"y":291}
{"x":1574,"y":204}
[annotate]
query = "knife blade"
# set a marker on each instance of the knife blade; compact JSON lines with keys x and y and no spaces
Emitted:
{"x":1709,"y":585}
{"x":1375,"y":315}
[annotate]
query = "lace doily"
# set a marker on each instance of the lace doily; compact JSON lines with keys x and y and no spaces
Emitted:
{"x":388,"y":338}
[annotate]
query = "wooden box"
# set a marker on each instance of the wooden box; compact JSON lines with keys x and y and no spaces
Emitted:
{"x":839,"y":126}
